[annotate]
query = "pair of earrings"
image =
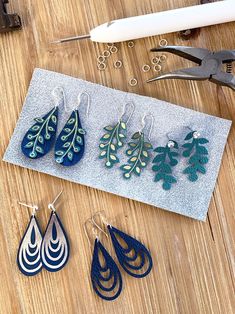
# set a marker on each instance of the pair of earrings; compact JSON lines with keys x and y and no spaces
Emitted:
{"x":166,"y":158}
{"x":69,"y":145}
{"x":132,"y":255}
{"x":37,"y":251}
{"x":138,"y":149}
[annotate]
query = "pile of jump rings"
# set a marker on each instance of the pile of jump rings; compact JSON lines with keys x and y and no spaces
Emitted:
{"x":102,"y":58}
{"x":156,"y":62}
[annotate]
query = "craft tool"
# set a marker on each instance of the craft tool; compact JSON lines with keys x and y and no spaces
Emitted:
{"x":8,"y":22}
{"x":160,"y":23}
{"x":210,"y":65}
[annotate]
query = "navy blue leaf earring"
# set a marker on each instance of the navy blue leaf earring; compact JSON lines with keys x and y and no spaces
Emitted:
{"x":70,"y":144}
{"x":29,"y":257}
{"x":105,"y":276}
{"x":55,"y":244}
{"x":40,"y":138}
{"x":132,"y":255}
{"x":197,"y":153}
{"x":163,"y":163}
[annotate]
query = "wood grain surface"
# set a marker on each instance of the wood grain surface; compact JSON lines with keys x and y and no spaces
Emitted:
{"x":193,"y":261}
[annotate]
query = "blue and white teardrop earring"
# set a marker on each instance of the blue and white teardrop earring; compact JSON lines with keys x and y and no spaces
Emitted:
{"x":29,"y":254}
{"x":132,"y":255}
{"x":39,"y":139}
{"x":105,"y":276}
{"x":55,"y":244}
{"x":70,"y":144}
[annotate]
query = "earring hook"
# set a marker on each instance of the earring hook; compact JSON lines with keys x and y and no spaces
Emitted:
{"x":51,"y":205}
{"x":94,"y":230}
{"x":88,"y":102}
{"x":143,"y":123}
{"x":103,"y":219}
{"x":57,"y":98}
{"x":124,"y":111}
{"x":33,"y":207}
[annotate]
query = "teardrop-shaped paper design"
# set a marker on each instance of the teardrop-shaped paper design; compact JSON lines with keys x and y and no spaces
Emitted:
{"x":29,"y":256}
{"x":39,"y":139}
{"x":55,"y":245}
{"x":70,"y":144}
{"x":133,"y":256}
{"x":106,"y":277}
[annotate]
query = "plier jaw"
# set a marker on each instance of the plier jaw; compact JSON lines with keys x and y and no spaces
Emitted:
{"x":210,"y":65}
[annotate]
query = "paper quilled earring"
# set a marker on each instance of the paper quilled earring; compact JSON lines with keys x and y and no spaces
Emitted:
{"x":197,"y":154}
{"x":70,"y":144}
{"x":163,"y":163}
{"x":55,"y":244}
{"x":105,"y":276}
{"x":29,"y":256}
{"x":138,"y":151}
{"x":132,"y":255}
{"x":113,"y":139}
{"x":40,"y":138}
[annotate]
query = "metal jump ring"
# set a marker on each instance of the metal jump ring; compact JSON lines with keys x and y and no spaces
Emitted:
{"x":101,"y":59}
{"x":101,"y":66}
{"x":133,"y":82}
{"x":131,"y":44}
{"x":106,"y":53}
{"x":155,"y":60}
{"x":117,"y":64}
{"x":113,"y":49}
{"x":157,"y":68}
{"x":163,"y":58}
{"x":145,"y":68}
{"x":163,"y":42}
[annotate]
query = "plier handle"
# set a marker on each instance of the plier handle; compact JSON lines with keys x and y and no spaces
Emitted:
{"x":211,"y":65}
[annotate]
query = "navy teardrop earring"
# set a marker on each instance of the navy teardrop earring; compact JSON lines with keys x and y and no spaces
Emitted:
{"x":132,"y":255}
{"x":40,"y":138}
{"x":70,"y":144}
{"x":55,"y":244}
{"x":105,"y":276}
{"x":29,"y":257}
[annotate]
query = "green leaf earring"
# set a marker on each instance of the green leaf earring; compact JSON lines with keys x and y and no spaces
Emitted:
{"x":114,"y":137}
{"x":197,"y":154}
{"x":138,"y":152}
{"x":164,"y":161}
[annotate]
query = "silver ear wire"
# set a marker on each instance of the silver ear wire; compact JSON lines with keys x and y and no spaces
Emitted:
{"x":103,"y":219}
{"x":143,"y":123}
{"x":33,"y":207}
{"x":51,"y":205}
{"x":124,"y":111}
{"x":96,"y":230}
{"x":88,"y":102}
{"x":58,"y":94}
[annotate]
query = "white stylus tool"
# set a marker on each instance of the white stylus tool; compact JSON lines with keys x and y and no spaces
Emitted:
{"x":161,"y":23}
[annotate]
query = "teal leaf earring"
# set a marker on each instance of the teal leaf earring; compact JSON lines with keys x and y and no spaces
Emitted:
{"x":70,"y":144}
{"x":138,"y":152}
{"x":114,"y":137}
{"x":164,"y":161}
{"x":197,"y":153}
{"x":40,"y":138}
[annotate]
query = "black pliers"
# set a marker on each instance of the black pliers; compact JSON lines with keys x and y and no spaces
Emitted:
{"x":210,"y":67}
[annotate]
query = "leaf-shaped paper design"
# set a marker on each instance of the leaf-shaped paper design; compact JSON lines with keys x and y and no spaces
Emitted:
{"x":110,"y":142}
{"x":69,"y":147}
{"x":198,"y":156}
{"x":139,"y":156}
{"x":39,"y":139}
{"x":163,"y":163}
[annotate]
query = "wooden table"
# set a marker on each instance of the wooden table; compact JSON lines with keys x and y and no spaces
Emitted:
{"x":193,"y":261}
